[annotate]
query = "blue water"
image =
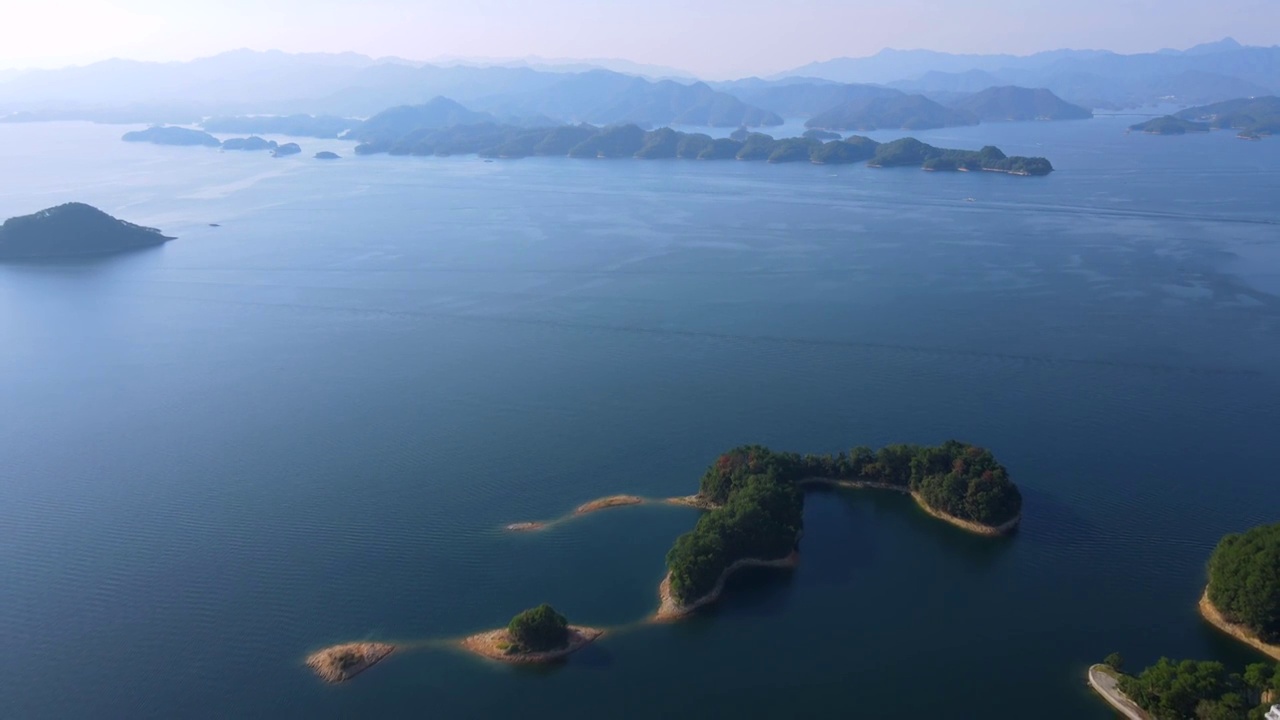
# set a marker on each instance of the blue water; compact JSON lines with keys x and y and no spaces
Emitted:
{"x":310,"y":424}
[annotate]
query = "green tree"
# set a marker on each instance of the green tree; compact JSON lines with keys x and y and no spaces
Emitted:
{"x":539,"y":629}
{"x":1115,"y":661}
{"x":1244,"y":580}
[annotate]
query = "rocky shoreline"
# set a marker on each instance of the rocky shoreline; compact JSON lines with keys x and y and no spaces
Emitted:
{"x":670,"y":609}
{"x":1210,"y":612}
{"x":973,"y":527}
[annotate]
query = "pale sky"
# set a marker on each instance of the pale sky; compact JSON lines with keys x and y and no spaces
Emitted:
{"x":712,"y":38}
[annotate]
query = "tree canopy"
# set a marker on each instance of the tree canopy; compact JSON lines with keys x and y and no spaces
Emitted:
{"x":1244,"y":580}
{"x":1201,"y":690}
{"x":539,"y":629}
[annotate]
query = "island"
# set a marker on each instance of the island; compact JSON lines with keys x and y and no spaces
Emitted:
{"x":821,"y":135}
{"x":1254,"y":117}
{"x":538,"y":635}
{"x":1169,"y":125}
{"x":286,"y":149}
{"x":72,"y":229}
{"x":1172,"y":690}
{"x":1243,"y":595}
{"x":490,"y":140}
{"x":342,"y":662}
{"x":326,"y":155}
{"x":252,"y":142}
{"x":170,"y":135}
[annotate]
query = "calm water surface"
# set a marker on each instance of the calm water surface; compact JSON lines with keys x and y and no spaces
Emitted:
{"x":310,"y":424}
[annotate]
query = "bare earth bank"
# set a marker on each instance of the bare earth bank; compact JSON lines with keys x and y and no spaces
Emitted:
{"x":343,"y":662}
{"x":494,"y":643}
{"x":1210,"y":612}
{"x":671,"y":609}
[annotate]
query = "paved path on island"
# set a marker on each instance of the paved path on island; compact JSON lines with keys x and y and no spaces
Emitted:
{"x":1105,"y":685}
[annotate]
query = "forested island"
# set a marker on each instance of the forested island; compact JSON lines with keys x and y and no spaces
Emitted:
{"x":72,"y":229}
{"x":537,"y":635}
{"x":1254,"y":117}
{"x":758,"y":505}
{"x":162,"y":135}
{"x":1169,"y":125}
{"x":1198,"y":690}
{"x":1243,"y":595}
{"x":630,"y":141}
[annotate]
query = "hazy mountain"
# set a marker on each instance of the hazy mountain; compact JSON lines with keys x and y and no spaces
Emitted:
{"x":1093,"y":78}
{"x":909,"y":112}
{"x":809,"y":99}
{"x":601,"y":97}
{"x":437,"y":114}
{"x":571,"y":65}
{"x":1016,"y":103}
{"x":276,"y":83}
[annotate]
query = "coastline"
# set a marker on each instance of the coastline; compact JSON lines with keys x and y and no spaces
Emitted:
{"x":340,"y":663}
{"x":493,"y":644}
{"x":1210,"y":612}
{"x":977,"y":528}
{"x":973,"y":527}
{"x":670,"y":610}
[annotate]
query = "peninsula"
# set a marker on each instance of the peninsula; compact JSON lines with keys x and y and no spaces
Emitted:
{"x":70,"y":230}
{"x":538,"y":635}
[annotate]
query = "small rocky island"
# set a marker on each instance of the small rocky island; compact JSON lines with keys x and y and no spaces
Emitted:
{"x":326,"y":155}
{"x":1170,"y":125}
{"x":538,"y":635}
{"x":70,"y":230}
{"x":161,"y":135}
{"x":286,"y":150}
{"x":342,"y":662}
{"x":251,"y":143}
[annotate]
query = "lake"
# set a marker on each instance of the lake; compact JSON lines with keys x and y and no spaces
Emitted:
{"x":310,"y":424}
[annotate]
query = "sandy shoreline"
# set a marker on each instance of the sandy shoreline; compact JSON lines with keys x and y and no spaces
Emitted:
{"x":607,"y":502}
{"x":493,"y":645}
{"x":670,"y":610}
{"x":693,"y":501}
{"x":973,"y":527}
{"x":343,"y":662}
{"x":1211,"y":613}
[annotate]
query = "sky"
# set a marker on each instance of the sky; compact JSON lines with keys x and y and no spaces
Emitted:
{"x":711,"y":38}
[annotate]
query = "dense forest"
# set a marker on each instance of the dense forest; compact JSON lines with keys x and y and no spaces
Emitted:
{"x":760,"y":502}
{"x":538,"y":630}
{"x":1244,"y":580}
{"x":1200,"y":690}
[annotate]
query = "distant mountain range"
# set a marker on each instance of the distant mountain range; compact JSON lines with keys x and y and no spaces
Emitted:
{"x":912,"y":89}
{"x":1092,"y":78}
